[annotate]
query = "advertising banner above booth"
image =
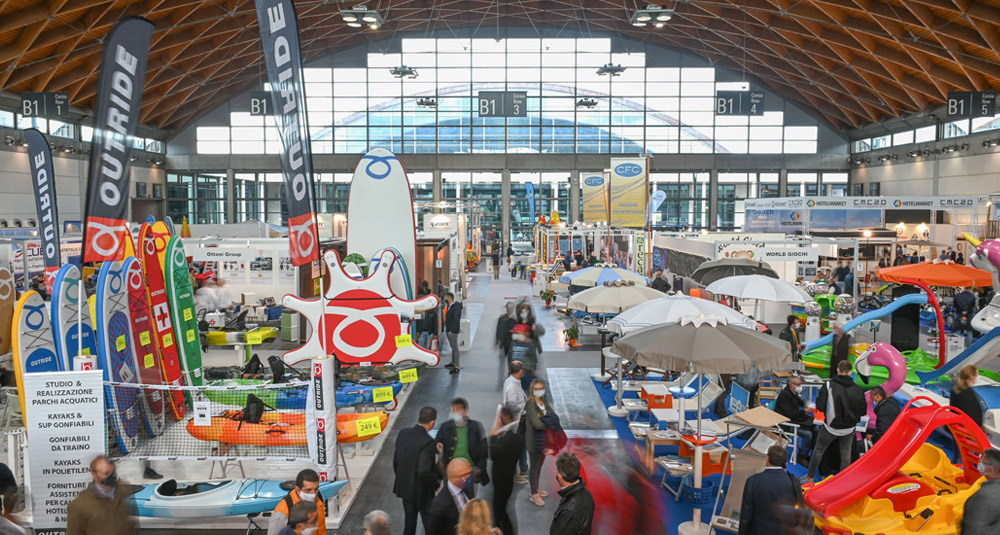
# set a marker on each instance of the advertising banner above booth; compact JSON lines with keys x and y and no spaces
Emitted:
{"x":629,"y":192}
{"x":882,"y":203}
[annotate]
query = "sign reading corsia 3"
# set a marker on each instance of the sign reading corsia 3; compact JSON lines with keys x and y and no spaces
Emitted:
{"x":629,"y":192}
{"x":64,"y":415}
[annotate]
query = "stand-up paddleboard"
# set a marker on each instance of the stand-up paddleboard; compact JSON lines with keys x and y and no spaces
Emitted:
{"x":162,"y":234}
{"x":115,"y":350}
{"x":147,"y":358}
{"x":66,"y":294}
{"x":169,"y":224}
{"x":380,"y":209}
{"x":163,"y":325}
{"x":181,"y":297}
{"x":32,"y":339}
{"x":399,"y":275}
{"x":7,"y":300}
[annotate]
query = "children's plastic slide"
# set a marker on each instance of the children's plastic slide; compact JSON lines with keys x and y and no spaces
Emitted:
{"x":911,"y":299}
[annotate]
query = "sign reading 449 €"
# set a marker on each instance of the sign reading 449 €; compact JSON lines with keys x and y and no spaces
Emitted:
{"x":629,"y":192}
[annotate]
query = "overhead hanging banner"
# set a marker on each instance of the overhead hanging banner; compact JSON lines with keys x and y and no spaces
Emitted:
{"x":628,"y":192}
{"x":118,"y":103}
{"x":279,"y":35}
{"x":854,"y":203}
{"x":43,"y":179}
{"x":595,"y":198}
{"x":529,"y":191}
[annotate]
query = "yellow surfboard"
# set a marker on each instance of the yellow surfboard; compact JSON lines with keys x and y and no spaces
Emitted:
{"x":33,"y":340}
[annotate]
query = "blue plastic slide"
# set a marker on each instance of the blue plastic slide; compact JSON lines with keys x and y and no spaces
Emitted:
{"x":977,"y":355}
{"x":911,"y":299}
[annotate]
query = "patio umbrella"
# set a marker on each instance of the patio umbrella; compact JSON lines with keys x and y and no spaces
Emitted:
{"x":613,"y":297}
{"x":670,"y":309}
{"x":702,"y":345}
{"x":599,"y":274}
{"x":759,"y":287}
{"x":713,"y":270}
{"x":938,"y":273}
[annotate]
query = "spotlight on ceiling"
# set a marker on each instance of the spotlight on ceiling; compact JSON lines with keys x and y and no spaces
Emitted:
{"x":9,"y":140}
{"x":402,"y":71}
{"x":359,"y":15}
{"x":586,"y":103}
{"x":949,"y":148}
{"x":611,"y":69}
{"x":427,"y":103}
{"x":652,"y":13}
{"x":987,"y":143}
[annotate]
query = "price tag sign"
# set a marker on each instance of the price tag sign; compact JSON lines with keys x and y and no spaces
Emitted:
{"x":369,"y":426}
{"x":148,"y":361}
{"x":85,"y":351}
{"x":404,"y":340}
{"x":408,"y":376}
{"x":255,"y":338}
{"x":382,"y":394}
{"x":191,"y":335}
{"x":144,"y":338}
{"x":187,"y":314}
{"x":120,"y":343}
{"x":168,"y":340}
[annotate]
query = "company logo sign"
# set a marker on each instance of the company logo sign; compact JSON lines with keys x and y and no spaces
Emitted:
{"x":596,"y":181}
{"x":897,"y":203}
{"x":360,"y":325}
{"x":627,"y":170}
{"x":869,"y":202}
{"x":794,"y":216}
{"x":811,"y":203}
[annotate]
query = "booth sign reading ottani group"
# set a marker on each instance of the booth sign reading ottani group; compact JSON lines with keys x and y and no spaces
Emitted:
{"x":64,"y":416}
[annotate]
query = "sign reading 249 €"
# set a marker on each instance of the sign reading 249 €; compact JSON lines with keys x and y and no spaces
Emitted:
{"x":629,"y":192}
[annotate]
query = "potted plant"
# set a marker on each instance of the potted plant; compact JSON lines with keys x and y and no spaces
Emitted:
{"x":572,"y":334}
{"x":547,"y":296}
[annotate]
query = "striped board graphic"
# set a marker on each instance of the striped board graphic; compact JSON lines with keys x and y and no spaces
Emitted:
{"x":181,"y":297}
{"x":147,"y":356}
{"x":114,"y":350}
{"x":66,"y":308}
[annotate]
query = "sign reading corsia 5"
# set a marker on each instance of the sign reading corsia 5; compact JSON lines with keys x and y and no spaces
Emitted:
{"x":628,"y":192}
{"x":64,"y":416}
{"x":595,"y":198}
{"x":279,"y":35}
{"x":119,"y":99}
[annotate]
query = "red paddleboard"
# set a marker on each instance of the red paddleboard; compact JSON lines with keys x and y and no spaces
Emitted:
{"x":170,"y":361}
{"x":147,"y":356}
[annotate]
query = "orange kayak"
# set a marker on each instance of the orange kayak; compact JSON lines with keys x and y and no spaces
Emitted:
{"x":277,"y":429}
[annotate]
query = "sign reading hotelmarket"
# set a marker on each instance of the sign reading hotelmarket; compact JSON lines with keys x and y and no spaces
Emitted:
{"x":861,"y":203}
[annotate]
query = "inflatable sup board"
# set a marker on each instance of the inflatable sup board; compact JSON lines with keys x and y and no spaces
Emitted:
{"x":168,"y":223}
{"x":181,"y":297}
{"x":32,"y":339}
{"x":115,"y":354}
{"x":7,"y":300}
{"x":66,"y":292}
{"x":399,"y":275}
{"x":147,"y":356}
{"x":380,"y":209}
{"x":163,"y":325}
{"x":162,"y":234}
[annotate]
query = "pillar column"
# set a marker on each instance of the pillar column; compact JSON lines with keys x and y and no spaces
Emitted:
{"x":230,"y":197}
{"x":574,"y":197}
{"x":505,"y":238}
{"x":713,"y":199}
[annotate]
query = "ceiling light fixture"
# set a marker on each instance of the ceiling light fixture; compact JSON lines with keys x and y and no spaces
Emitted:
{"x":987,"y":143}
{"x":651,"y":13}
{"x":949,"y":148}
{"x":358,"y":15}
{"x":612,"y":69}
{"x":402,"y":71}
{"x":586,"y":103}
{"x":427,"y":103}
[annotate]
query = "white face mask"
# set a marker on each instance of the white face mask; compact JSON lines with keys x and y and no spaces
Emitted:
{"x":457,"y":417}
{"x":307,"y":496}
{"x":797,"y":389}
{"x":524,"y":315}
{"x":540,"y":393}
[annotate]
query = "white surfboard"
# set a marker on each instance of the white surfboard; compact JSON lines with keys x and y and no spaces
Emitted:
{"x":380,"y":210}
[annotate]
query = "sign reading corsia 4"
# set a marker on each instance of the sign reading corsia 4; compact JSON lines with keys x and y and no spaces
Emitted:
{"x":64,"y":416}
{"x":628,"y":193}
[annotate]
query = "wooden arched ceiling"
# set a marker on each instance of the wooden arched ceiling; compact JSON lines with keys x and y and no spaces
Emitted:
{"x":852,"y":62}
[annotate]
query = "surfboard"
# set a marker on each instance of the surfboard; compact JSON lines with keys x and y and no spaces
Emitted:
{"x":168,"y":222}
{"x":181,"y":297}
{"x":32,"y":339}
{"x":162,"y":234}
{"x":147,"y":358}
{"x":163,"y":325}
{"x":380,"y":209}
{"x":67,"y":291}
{"x":399,"y":274}
{"x":115,"y":354}
{"x":7,"y":300}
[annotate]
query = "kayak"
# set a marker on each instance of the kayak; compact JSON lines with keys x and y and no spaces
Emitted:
{"x":277,"y":429}
{"x":253,"y":336}
{"x":348,"y":393}
{"x":215,"y":497}
{"x":384,"y":373}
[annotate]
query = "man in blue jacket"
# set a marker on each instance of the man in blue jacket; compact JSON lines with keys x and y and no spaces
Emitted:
{"x":768,"y":497}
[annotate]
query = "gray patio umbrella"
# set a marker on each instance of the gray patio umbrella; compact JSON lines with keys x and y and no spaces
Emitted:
{"x":713,"y":270}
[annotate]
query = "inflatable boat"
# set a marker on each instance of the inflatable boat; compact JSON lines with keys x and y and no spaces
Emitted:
{"x":216,"y":497}
{"x":277,"y":429}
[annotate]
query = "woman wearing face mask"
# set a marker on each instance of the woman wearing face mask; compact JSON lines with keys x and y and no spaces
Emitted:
{"x":790,"y":334}
{"x":526,"y":316}
{"x":540,"y":419}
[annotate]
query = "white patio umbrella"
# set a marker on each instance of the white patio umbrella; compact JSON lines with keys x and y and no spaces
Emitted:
{"x":702,"y":345}
{"x":613,"y":297}
{"x":670,"y":309}
{"x":759,"y":288}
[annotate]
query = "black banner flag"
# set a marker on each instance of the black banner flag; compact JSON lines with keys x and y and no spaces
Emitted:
{"x":43,"y":179}
{"x":117,"y":105}
{"x":279,"y":36}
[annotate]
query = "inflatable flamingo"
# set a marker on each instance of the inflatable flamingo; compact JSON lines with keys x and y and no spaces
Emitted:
{"x":881,"y":354}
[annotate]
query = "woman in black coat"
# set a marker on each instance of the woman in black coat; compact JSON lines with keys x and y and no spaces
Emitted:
{"x":963,"y":395}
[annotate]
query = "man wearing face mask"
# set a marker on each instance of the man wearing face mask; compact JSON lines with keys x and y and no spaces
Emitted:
{"x":575,"y":513}
{"x":306,"y":490}
{"x":791,"y":405}
{"x":982,"y":516}
{"x":886,"y":411}
{"x":446,"y":508}
{"x":303,"y":519}
{"x":790,"y":334}
{"x":100,"y":509}
{"x":463,"y":438}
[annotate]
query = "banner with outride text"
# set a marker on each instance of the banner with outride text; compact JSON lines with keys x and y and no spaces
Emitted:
{"x":43,"y":180}
{"x":118,"y":104}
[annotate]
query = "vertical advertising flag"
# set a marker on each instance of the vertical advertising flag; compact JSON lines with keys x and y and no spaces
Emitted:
{"x":529,"y":191}
{"x":279,"y":35}
{"x":629,"y":191}
{"x":595,"y":198}
{"x":321,"y":409}
{"x":118,"y":103}
{"x":655,"y":200}
{"x":44,"y":181}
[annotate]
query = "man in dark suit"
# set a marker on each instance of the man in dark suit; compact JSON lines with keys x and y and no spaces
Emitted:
{"x":506,"y":445}
{"x":447,"y":506}
{"x":791,"y":405}
{"x":466,"y":439}
{"x":768,"y":496}
{"x":417,"y":473}
{"x":453,"y":326}
{"x":841,"y":346}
